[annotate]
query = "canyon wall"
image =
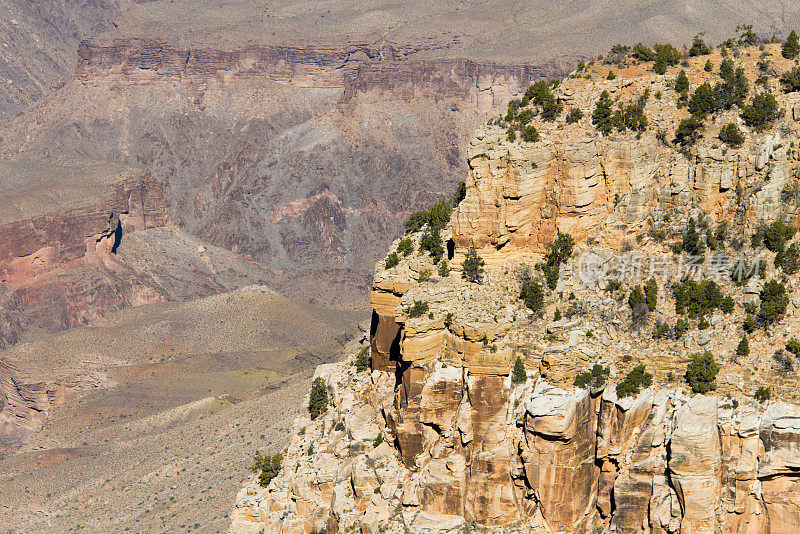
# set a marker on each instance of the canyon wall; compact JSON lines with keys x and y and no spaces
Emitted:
{"x":528,"y":458}
{"x":57,"y":220}
{"x":606,"y":191}
{"x":307,"y":158}
{"x":473,"y":413}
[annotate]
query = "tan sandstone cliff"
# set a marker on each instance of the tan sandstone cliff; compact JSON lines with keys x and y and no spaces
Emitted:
{"x":437,"y":438}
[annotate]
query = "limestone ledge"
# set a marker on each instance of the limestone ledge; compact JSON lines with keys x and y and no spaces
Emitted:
{"x":457,"y":448}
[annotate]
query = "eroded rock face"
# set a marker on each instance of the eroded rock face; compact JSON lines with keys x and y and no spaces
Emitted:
{"x":56,"y":219}
{"x":604,"y":189}
{"x":458,"y":448}
{"x":311,"y":156}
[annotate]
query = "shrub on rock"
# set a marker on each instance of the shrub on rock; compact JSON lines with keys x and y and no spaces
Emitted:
{"x":318,"y":399}
{"x":267,"y":467}
{"x":472,"y":267}
{"x":518,"y":374}
{"x":594,"y":378}
{"x":634,"y":382}
{"x":701,"y":373}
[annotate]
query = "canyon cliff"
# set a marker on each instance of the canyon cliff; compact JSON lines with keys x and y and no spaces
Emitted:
{"x":310,"y":155}
{"x":441,"y":434}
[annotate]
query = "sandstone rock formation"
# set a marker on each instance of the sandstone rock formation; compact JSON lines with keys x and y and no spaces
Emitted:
{"x":609,"y":189}
{"x":461,"y":445}
{"x":461,"y":448}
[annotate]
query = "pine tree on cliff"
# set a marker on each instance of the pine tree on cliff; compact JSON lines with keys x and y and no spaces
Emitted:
{"x":601,"y":118}
{"x":472,"y":268}
{"x":743,"y":349}
{"x":318,"y":398}
{"x":791,"y":48}
{"x":518,"y":375}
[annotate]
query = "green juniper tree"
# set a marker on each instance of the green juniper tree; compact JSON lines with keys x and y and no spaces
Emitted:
{"x":602,"y":116}
{"x":791,"y":48}
{"x":518,"y":374}
{"x":472,"y":267}
{"x":318,"y":398}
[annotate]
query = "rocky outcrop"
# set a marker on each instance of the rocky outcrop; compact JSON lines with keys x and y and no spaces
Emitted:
{"x":57,"y":219}
{"x":470,"y":447}
{"x":608,"y":190}
{"x":458,"y":449}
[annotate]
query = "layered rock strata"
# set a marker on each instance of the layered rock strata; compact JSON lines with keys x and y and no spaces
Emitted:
{"x":437,"y":438}
{"x":348,"y":68}
{"x":55,"y":218}
{"x":608,"y":189}
{"x":311,"y":155}
{"x":456,"y":449}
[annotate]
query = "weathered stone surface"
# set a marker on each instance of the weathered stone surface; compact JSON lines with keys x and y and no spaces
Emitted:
{"x":695,"y":464}
{"x":542,"y":455}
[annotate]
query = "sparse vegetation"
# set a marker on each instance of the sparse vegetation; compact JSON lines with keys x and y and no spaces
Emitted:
{"x":634,"y":382}
{"x":541,"y":95}
{"x":532,"y":294}
{"x":661,"y":331}
{"x":574,"y":115}
{"x":418,"y":309}
{"x":472,"y":267}
{"x":774,"y":301}
{"x":731,"y":135}
{"x":558,"y":252}
{"x":530,"y":134}
{"x":790,"y":80}
{"x":727,"y":305}
{"x":405,"y":246}
{"x":318,"y":398}
{"x":681,"y":326}
{"x":793,"y":346}
{"x":518,"y":374}
{"x":392,"y":260}
{"x":699,"y":46}
{"x":743,"y":348}
{"x":431,"y":242}
{"x":363,"y":360}
{"x":701,"y":373}
{"x":631,"y":116}
{"x":651,"y":294}
{"x":602,"y":116}
{"x":459,"y":194}
{"x":776,"y":235}
{"x":762,"y":112}
{"x":696,"y":298}
{"x":688,"y":132}
{"x":438,"y":214}
{"x":682,"y":84}
{"x":691,"y":242}
{"x":762,"y":394}
{"x":594,"y":378}
{"x":636,"y":297}
{"x":791,"y":47}
{"x":267,"y":467}
{"x":643,"y":53}
{"x":703,"y":101}
{"x":666,"y":56}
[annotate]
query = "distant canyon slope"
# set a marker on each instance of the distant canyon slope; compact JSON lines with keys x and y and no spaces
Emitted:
{"x":303,"y":134}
